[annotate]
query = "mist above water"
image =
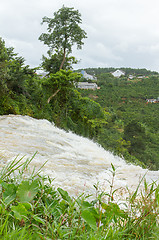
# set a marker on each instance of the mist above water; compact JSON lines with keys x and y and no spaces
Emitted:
{"x":75,"y":163}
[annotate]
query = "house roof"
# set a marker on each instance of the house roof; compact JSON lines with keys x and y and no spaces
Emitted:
{"x":118,"y":73}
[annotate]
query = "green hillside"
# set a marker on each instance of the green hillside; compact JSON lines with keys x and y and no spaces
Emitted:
{"x":134,"y":122}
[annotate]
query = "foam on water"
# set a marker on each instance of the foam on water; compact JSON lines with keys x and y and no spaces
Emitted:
{"x":76,"y":163}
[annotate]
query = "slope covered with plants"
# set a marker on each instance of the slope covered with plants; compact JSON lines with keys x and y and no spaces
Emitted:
{"x":133,"y":131}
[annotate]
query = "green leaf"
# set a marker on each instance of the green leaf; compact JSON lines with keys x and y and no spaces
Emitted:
{"x":113,"y":167}
{"x":145,"y":185}
{"x":1,"y":208}
{"x":28,"y":206}
{"x":9,"y":193}
{"x":157,"y":194}
{"x":64,"y":195}
{"x":133,"y":197}
{"x":20,"y":211}
{"x":86,"y":205}
{"x":26,"y":191}
{"x":89,"y":219}
{"x":38,"y":219}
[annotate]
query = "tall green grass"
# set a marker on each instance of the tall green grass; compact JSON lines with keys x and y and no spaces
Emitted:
{"x":31,"y":208}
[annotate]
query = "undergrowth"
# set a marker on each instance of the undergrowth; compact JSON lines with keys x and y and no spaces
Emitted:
{"x":31,"y":208}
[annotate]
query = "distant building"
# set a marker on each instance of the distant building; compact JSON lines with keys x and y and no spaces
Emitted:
{"x":118,"y":73}
{"x":131,"y":76}
{"x":41,"y":74}
{"x":86,"y":85}
{"x":152,"y":100}
{"x":140,"y":77}
{"x":88,"y":76}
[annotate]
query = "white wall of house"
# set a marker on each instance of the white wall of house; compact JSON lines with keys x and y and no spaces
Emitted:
{"x":86,"y":85}
{"x":118,"y":73}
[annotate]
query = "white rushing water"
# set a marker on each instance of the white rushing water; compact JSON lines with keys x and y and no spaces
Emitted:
{"x":75,"y":162}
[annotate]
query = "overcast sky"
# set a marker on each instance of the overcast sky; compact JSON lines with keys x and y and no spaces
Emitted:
{"x":121,"y":33}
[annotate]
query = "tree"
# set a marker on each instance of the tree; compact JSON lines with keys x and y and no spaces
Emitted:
{"x":62,"y":81}
{"x":63,"y":32}
{"x":51,"y":64}
{"x":135,"y":133}
{"x":13,"y":73}
{"x":3,"y":67}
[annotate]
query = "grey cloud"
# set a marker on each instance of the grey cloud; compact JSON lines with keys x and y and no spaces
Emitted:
{"x":120,"y":33}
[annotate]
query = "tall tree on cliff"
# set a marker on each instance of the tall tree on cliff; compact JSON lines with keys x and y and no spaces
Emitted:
{"x":64,"y":31}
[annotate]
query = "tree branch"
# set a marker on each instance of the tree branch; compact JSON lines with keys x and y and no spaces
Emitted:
{"x":53,"y":95}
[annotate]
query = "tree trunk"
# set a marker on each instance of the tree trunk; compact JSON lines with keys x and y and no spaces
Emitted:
{"x":53,"y":95}
{"x":63,"y":61}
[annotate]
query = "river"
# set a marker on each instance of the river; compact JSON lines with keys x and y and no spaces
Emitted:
{"x":74,"y":162}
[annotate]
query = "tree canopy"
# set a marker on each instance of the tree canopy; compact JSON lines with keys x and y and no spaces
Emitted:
{"x":64,"y":31}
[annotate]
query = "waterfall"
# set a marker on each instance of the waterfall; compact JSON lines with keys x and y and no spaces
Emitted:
{"x":74,"y":162}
